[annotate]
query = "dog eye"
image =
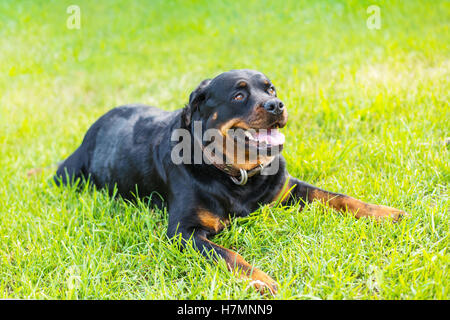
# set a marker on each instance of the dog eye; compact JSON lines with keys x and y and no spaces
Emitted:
{"x":271,"y":91}
{"x":239,"y":97}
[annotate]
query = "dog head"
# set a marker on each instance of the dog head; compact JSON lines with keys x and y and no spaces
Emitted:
{"x":243,"y":101}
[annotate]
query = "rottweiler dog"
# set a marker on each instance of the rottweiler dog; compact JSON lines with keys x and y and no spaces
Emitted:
{"x":129,"y":150}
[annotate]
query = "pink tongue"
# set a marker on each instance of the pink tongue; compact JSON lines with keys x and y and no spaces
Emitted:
{"x":272,"y":136}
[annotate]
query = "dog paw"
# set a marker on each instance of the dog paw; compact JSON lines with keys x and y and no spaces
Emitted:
{"x":34,"y":172}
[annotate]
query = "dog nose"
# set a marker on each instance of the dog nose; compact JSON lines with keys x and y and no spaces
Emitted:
{"x":274,"y":106}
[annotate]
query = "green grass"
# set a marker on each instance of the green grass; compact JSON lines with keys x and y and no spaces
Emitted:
{"x":368,"y":111}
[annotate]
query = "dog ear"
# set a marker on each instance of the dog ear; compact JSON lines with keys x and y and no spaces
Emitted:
{"x":195,"y":98}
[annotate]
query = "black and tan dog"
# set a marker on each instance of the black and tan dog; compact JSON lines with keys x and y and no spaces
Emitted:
{"x":130,"y":148}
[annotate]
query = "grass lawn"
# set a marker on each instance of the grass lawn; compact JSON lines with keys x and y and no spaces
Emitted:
{"x":368,"y":116}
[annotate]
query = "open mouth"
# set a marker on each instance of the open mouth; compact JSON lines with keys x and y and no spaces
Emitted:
{"x":261,"y":139}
